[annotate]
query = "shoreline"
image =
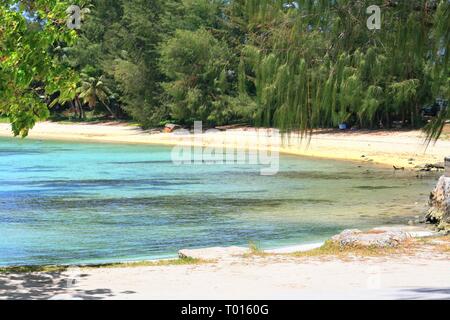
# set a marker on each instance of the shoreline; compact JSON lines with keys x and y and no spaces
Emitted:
{"x":397,"y":273}
{"x":416,"y":232}
{"x":304,"y":247}
{"x":402,"y":149}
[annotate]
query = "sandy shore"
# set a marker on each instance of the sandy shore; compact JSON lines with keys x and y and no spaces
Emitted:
{"x":392,"y":148}
{"x":420,"y":274}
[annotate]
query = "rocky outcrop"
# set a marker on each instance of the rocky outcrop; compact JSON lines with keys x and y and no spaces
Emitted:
{"x":439,"y":213}
{"x":376,"y":238}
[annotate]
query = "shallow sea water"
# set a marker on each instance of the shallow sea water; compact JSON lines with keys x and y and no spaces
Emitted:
{"x":73,"y":203}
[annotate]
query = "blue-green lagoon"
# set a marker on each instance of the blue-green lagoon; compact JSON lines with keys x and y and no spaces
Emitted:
{"x":76,"y":203}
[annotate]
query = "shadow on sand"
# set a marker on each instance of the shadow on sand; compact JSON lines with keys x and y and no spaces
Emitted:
{"x":426,"y":294}
{"x":44,"y":286}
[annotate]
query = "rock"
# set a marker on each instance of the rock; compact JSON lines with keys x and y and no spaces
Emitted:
{"x":431,"y":167}
{"x":439,"y":165}
{"x":413,"y":231}
{"x":216,"y":253}
{"x":439,"y":212}
{"x":447,"y":166}
{"x":377,"y":238}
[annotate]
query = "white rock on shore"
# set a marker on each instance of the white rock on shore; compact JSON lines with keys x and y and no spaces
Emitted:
{"x":373,"y":238}
{"x":440,"y":204}
{"x":389,"y":236}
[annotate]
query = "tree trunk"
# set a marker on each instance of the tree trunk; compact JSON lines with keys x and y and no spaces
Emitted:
{"x":80,"y":108}
{"x":73,"y":106}
{"x":109,"y":109}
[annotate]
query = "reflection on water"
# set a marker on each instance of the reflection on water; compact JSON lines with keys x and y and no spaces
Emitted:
{"x":89,"y":203}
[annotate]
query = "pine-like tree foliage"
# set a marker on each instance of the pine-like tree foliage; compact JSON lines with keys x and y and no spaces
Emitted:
{"x":296,"y":65}
{"x":316,"y":64}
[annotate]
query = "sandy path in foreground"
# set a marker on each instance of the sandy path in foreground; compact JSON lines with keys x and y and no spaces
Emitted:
{"x":424,"y":275}
{"x":400,"y":148}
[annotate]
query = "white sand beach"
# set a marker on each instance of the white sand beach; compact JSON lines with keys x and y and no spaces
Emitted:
{"x":392,"y":148}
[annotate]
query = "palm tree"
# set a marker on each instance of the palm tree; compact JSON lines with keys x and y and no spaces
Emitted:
{"x":94,"y":90}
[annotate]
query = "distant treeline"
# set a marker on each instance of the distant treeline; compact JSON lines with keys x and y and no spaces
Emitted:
{"x":294,"y":65}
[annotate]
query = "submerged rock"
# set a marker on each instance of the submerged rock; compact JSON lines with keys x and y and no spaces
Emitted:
{"x":439,"y":213}
{"x":377,"y":238}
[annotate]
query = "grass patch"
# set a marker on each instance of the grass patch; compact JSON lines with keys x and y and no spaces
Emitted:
{"x":156,"y":263}
{"x":443,"y":245}
{"x":29,"y":269}
{"x":333,"y":249}
{"x":255,"y":250}
{"x":444,"y":248}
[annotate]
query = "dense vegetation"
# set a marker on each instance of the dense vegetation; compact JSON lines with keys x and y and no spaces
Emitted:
{"x":293,"y":65}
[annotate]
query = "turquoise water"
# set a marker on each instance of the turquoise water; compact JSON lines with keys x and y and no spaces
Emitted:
{"x":69,"y":203}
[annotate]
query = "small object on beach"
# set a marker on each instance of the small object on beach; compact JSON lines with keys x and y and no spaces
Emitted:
{"x":169,"y":128}
{"x":399,"y":168}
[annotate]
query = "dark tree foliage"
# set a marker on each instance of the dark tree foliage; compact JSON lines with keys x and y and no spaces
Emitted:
{"x":296,"y":65}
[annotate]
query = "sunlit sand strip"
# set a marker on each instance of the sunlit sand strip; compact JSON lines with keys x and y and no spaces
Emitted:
{"x":403,"y":149}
